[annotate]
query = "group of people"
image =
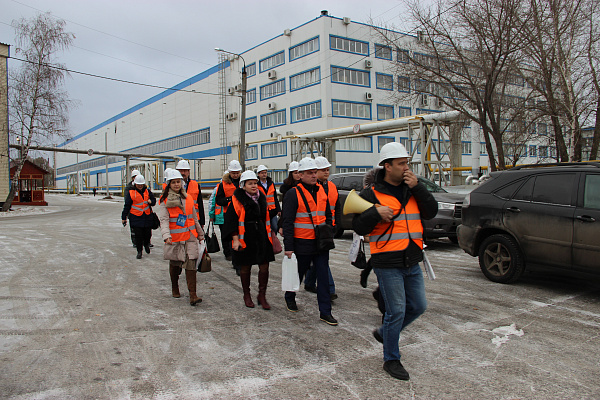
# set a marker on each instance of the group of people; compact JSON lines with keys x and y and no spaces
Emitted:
{"x":246,"y":207}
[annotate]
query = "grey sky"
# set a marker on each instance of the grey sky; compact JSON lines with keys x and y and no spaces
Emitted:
{"x":184,"y":32}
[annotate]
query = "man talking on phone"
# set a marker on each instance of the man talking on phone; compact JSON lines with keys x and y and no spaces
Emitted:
{"x":396,"y":242}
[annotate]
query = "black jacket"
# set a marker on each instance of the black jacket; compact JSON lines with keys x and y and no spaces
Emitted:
{"x":142,"y":221}
{"x":364,"y":223}
{"x":288,"y":217}
{"x":259,"y":249}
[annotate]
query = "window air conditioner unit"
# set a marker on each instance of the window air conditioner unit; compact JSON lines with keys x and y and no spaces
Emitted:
{"x":287,"y":32}
{"x":346,"y":20}
{"x":369,"y":96}
{"x":272,"y":74}
{"x":424,"y":100}
{"x":232,"y":116}
{"x":438,"y":102}
{"x":368,"y":64}
{"x":238,"y":87}
{"x":272,"y":106}
{"x":230,"y":90}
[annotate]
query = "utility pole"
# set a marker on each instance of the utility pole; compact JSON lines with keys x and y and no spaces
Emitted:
{"x":106,"y":162}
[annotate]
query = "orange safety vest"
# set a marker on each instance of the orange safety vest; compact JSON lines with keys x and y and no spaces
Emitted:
{"x":269,"y":194}
{"x":138,"y":207}
{"x":182,"y":233}
{"x":303,"y":226}
{"x":193,"y":189}
{"x":332,"y":196}
{"x":396,"y":235}
{"x":228,"y":188}
{"x":241,"y":213}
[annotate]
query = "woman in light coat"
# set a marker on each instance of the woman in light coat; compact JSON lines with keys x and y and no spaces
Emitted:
{"x":181,"y":233}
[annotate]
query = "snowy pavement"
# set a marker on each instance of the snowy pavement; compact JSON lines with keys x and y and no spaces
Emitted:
{"x":81,"y":318}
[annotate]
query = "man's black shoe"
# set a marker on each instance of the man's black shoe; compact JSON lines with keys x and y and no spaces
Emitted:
{"x":139,"y":254}
{"x":147,"y":248}
{"x":150,"y":245}
{"x":396,"y":370}
{"x":333,"y":296}
{"x":329,"y":319}
{"x":312,"y":289}
{"x":377,"y":336}
{"x":364,"y":276}
{"x":291,"y":305}
{"x":228,"y":258}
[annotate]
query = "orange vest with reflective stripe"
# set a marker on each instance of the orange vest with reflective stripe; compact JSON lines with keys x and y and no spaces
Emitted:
{"x":193,"y":189}
{"x":228,"y":189}
{"x":241,"y":213}
{"x":303,"y":226}
{"x":182,"y":233}
{"x":269,"y":194}
{"x":332,"y":196}
{"x":396,"y":235}
{"x":138,"y":207}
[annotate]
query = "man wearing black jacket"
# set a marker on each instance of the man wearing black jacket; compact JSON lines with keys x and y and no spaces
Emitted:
{"x":396,"y":241}
{"x":299,"y":234}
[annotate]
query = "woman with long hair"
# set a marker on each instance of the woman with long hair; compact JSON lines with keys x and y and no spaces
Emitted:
{"x":248,"y":227}
{"x":292,"y":179}
{"x":181,"y":233}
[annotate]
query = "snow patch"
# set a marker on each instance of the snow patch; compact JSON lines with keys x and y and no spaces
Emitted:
{"x":504,"y":332}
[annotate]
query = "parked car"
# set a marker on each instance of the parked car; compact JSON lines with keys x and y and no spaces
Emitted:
{"x":443,"y":225}
{"x":534,"y":217}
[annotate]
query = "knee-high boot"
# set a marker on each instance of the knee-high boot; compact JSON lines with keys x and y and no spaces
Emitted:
{"x":245,"y":278}
{"x":190,"y":276}
{"x":174,"y":273}
{"x":263,"y":280}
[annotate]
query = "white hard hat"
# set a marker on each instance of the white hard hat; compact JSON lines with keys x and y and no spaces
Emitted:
{"x":139,"y":180}
{"x":183,"y":164}
{"x":293,"y":166}
{"x":174,"y":174}
{"x":322,"y":162}
{"x":234,"y":165}
{"x":246,"y":176}
{"x":167,"y":173}
{"x":261,"y":168}
{"x":306,"y":164}
{"x":135,"y":173}
{"x":392,"y":150}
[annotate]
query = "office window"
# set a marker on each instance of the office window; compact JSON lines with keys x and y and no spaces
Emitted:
{"x":404,"y":84}
{"x":350,"y":76}
{"x":272,"y":89}
{"x":351,"y":110}
{"x":349,"y":45}
{"x":542,"y":128}
{"x":251,"y":96}
{"x":404,"y":112}
{"x":466,"y":148}
{"x":252,"y":152}
{"x":251,"y":70}
{"x":305,"y":111}
{"x":306,"y":78}
{"x":482,"y":149}
{"x":272,"y":119}
{"x":358,"y":144}
{"x":384,"y":81}
{"x":304,"y":48}
{"x":276,"y":149}
{"x":543,"y":151}
{"x":272,"y":61}
{"x":251,"y":124}
{"x":384,"y":112}
{"x":532,"y":150}
{"x":384,"y":52}
{"x":402,"y":56}
{"x":405,"y":142}
{"x":382,"y":141}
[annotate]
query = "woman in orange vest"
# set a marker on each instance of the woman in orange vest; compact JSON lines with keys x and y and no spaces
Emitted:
{"x":229,"y":183}
{"x":181,"y":233}
{"x":138,"y":203}
{"x":248,"y":228}
{"x":267,"y":187}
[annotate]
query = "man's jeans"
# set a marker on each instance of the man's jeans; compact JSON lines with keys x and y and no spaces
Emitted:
{"x":321,"y":263}
{"x":403,"y":291}
{"x":311,"y":278}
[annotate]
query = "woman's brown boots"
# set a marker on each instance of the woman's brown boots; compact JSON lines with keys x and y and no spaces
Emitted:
{"x":263,"y":280}
{"x":174,"y":273}
{"x":190,"y":276}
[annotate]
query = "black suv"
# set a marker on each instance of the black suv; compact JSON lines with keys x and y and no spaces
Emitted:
{"x":443,"y":225}
{"x":539,"y":216}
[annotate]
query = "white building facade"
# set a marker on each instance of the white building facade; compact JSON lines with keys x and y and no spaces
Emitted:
{"x":327,"y":73}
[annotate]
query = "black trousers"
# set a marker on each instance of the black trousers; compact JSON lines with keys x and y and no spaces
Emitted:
{"x":142,"y":237}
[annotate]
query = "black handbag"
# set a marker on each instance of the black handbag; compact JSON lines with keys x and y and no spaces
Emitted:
{"x":361,"y":257}
{"x":323,"y":232}
{"x":212,"y":244}
{"x":155,"y":221}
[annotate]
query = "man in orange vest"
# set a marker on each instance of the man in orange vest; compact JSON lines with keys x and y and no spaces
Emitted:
{"x":225,"y":189}
{"x":192,"y":188}
{"x":307,"y":199}
{"x":336,"y":212}
{"x":396,"y":242}
{"x":267,"y":186}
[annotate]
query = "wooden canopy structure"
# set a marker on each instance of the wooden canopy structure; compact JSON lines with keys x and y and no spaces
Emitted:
{"x":30,"y":190}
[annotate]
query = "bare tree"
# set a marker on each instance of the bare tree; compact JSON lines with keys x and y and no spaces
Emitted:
{"x":465,"y":57}
{"x":38,"y":107}
{"x":593,"y":57}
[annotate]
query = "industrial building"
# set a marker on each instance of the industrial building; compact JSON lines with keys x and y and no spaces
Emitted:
{"x":327,"y":73}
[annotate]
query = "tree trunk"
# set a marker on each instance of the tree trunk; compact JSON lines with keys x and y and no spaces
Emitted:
{"x":13,"y":187}
{"x":559,"y":139}
{"x":596,"y":139}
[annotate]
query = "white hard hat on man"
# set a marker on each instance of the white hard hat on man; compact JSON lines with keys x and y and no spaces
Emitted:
{"x":261,"y":168}
{"x":322,"y":162}
{"x":139,"y":179}
{"x":392,"y":150}
{"x":183,"y":164}
{"x":234,"y":165}
{"x":306,"y":164}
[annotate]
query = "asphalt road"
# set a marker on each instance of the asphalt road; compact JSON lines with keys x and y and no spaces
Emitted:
{"x":81,"y":318}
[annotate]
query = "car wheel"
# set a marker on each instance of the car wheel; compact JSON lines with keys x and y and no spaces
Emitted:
{"x":338,"y":232}
{"x":500,"y":259}
{"x":453,"y":239}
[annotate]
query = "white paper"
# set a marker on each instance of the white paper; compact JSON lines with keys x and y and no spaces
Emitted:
{"x":201,"y":247}
{"x":355,"y":246}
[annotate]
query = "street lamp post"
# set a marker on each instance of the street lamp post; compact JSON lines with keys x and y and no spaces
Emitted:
{"x":243,"y":111}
